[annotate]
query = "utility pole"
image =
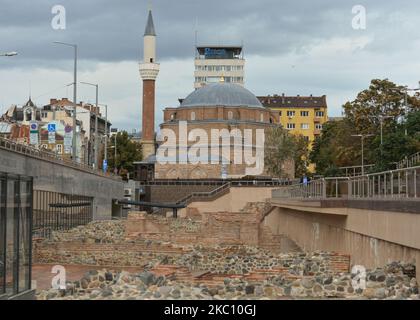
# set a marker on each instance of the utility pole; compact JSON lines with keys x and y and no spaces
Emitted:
{"x":362,"y":136}
{"x":75,"y":158}
{"x":96,"y":124}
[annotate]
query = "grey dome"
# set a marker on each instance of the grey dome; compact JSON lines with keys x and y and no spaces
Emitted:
{"x":222,"y":94}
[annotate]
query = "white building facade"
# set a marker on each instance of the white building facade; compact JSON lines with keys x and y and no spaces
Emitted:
{"x":215,"y":62}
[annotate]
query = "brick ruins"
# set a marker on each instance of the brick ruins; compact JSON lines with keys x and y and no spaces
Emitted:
{"x":207,"y":256}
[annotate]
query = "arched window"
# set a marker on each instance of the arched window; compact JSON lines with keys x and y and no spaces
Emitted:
{"x":262,"y":117}
{"x":173,"y":116}
{"x":192,"y":116}
{"x":230,"y":115}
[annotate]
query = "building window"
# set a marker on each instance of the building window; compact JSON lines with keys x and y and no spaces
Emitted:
{"x":173,"y":116}
{"x":304,"y":126}
{"x":44,"y":114}
{"x":279,"y":113}
{"x":291,"y":126}
{"x":230,"y":115}
{"x":318,"y":126}
{"x":192,"y":116}
{"x":319,"y":114}
{"x":59,"y":148}
{"x":262,"y":117}
{"x":291,"y":113}
{"x":304,"y":113}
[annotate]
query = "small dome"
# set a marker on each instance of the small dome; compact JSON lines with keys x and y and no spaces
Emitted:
{"x":222,"y":94}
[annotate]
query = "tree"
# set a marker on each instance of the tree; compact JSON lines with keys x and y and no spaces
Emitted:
{"x":281,"y":147}
{"x":127,"y":153}
{"x":381,"y":99}
{"x":335,"y":148}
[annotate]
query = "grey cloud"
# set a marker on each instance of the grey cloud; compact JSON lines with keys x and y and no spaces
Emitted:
{"x":109,"y":30}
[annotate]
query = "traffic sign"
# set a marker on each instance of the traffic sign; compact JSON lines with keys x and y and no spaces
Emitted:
{"x":34,"y":126}
{"x":105,"y":165}
{"x":51,"y":127}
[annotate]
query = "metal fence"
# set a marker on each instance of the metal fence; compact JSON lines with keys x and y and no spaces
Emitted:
{"x":51,"y":156}
{"x":410,"y":161}
{"x":15,"y":234}
{"x":59,"y":211}
{"x":401,"y":183}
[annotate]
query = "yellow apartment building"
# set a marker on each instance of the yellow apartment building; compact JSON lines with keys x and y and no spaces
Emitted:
{"x":299,"y":114}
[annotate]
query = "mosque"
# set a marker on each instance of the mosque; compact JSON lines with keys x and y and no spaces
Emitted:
{"x":219,"y":106}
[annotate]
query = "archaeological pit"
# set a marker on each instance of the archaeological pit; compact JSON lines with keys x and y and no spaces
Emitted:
{"x":204,"y":255}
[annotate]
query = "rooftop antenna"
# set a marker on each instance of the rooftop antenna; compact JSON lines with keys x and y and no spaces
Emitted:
{"x":196,"y":36}
{"x":149,"y":5}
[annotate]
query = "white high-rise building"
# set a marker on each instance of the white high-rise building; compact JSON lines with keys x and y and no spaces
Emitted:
{"x":212,"y":63}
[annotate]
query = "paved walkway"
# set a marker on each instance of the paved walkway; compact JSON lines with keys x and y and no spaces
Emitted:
{"x":41,"y":273}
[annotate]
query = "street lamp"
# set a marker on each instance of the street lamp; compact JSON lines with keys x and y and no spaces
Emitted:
{"x":362,"y":136}
{"x":106,"y":131}
{"x":115,"y":130}
{"x":96,"y":123}
{"x":74,"y":94}
{"x":405,"y":89}
{"x":8,"y":54}
{"x":381,"y":122}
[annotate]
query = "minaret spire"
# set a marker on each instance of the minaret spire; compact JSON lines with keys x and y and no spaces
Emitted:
{"x":149,"y":71}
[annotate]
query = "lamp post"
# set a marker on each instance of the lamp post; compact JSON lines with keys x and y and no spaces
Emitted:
{"x":381,"y":123}
{"x":8,"y":54}
{"x":106,"y":131}
{"x":74,"y":46}
{"x":405,"y":90}
{"x":96,"y":123}
{"x":115,"y":147}
{"x":362,"y":136}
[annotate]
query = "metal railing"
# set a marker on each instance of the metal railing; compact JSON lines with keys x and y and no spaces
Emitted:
{"x":410,"y":161}
{"x":11,"y":145}
{"x":205,"y":195}
{"x":401,"y":183}
{"x":220,"y":182}
{"x":58,"y":211}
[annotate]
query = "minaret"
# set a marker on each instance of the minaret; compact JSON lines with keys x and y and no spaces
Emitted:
{"x":149,"y":70}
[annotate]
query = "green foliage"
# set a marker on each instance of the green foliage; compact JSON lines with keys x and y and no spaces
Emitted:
{"x":127,"y":153}
{"x":337,"y":148}
{"x":280,"y":147}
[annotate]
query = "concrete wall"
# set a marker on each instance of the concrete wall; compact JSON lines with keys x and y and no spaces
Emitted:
{"x":372,"y":238}
{"x":233,"y":201}
{"x":51,"y":176}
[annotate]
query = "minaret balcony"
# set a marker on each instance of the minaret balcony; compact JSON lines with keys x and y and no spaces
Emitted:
{"x":149,"y":71}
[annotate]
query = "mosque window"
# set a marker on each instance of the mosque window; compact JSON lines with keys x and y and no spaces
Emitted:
{"x":230,"y":115}
{"x":262,"y":117}
{"x":192,"y":116}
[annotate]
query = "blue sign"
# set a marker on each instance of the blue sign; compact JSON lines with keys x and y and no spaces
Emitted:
{"x":105,"y":165}
{"x":209,"y":52}
{"x":51,"y":127}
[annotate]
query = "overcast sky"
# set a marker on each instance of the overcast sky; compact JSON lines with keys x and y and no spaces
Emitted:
{"x":291,"y":46}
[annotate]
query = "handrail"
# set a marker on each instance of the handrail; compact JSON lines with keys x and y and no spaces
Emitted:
{"x":50,"y":156}
{"x":388,"y":184}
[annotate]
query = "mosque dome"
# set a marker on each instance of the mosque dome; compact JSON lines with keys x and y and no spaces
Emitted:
{"x":222,"y":94}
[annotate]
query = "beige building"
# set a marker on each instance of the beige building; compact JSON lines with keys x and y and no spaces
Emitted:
{"x":213,"y":62}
